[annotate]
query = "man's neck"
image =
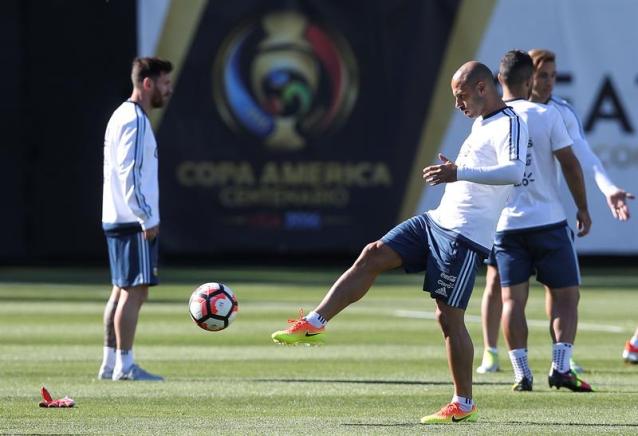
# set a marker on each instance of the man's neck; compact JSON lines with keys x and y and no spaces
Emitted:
{"x":495,"y":105}
{"x":516,"y":92}
{"x":539,"y":99}
{"x":136,"y":97}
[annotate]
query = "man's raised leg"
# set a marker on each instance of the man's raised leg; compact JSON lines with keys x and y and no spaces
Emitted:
{"x":353,"y":284}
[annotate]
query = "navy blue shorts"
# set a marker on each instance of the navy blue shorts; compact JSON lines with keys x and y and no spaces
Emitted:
{"x":546,"y":251}
{"x":132,"y":258}
{"x":450,"y":261}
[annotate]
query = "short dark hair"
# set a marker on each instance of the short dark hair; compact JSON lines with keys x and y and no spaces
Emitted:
{"x":149,"y":67}
{"x":516,"y":67}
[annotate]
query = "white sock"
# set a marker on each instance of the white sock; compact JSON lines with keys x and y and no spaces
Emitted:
{"x":518,"y":357}
{"x":465,"y":403}
{"x":562,"y":352}
{"x":316,"y":320}
{"x":492,"y":350}
{"x":108,"y":358}
{"x":634,"y":340}
{"x":123,"y":360}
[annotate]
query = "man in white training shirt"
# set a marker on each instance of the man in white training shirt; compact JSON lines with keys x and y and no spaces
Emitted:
{"x":448,"y":242}
{"x":542,"y":87}
{"x":533,"y":236}
{"x":130,"y":215}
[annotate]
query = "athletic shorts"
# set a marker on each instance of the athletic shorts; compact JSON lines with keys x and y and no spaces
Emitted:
{"x":450,"y":261}
{"x":132,"y":258}
{"x":546,"y":251}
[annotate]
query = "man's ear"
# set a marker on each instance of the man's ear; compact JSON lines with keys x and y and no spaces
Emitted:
{"x":480,"y":87}
{"x":147,"y":83}
{"x":500,"y":78}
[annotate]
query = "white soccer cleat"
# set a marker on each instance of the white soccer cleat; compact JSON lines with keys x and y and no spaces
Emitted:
{"x":489,"y":364}
{"x":135,"y":373}
{"x":105,"y":373}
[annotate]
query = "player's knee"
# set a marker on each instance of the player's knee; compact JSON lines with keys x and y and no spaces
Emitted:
{"x":443,"y":321}
{"x":567,"y":296}
{"x":371,"y":257}
{"x":493,"y":283}
{"x":143,"y":296}
{"x":138,"y":294}
{"x":493,"y":288}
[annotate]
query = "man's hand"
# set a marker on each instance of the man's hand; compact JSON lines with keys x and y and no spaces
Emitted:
{"x":150,"y":234}
{"x":444,"y":173}
{"x":617,"y":203}
{"x":583,"y":222}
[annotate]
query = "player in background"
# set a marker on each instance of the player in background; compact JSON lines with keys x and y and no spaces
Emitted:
{"x":542,"y":88}
{"x":630,"y":353}
{"x":448,"y":242}
{"x":532,"y":234}
{"x":130,"y":214}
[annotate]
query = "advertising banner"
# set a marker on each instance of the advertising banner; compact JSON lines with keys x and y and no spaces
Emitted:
{"x":302,"y":127}
{"x":293,"y":125}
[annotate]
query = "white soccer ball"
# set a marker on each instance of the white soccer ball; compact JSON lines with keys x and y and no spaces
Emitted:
{"x":213,"y":306}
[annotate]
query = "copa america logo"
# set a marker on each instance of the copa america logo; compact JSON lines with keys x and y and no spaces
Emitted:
{"x":284,"y":79}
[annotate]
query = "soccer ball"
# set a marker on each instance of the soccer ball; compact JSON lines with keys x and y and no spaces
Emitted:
{"x":213,"y":306}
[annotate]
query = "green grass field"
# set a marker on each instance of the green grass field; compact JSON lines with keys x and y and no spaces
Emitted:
{"x":383,"y":368}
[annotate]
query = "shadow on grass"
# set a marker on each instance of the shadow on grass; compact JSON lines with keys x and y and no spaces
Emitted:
{"x":364,"y":424}
{"x":562,"y":424}
{"x":374,"y":382}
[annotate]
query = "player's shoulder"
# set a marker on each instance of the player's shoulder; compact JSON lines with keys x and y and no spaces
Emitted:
{"x":127,"y":114}
{"x":513,"y":118}
{"x":504,"y":119}
{"x":560,"y":102}
{"x":563,"y":107}
{"x":545,"y":111}
{"x":503,"y":123}
{"x":501,"y":115}
{"x":566,"y":111}
{"x":521,"y":105}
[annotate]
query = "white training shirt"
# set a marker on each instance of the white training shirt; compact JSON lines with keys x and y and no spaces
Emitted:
{"x":492,"y":156}
{"x":536,"y":201}
{"x":587,"y":158}
{"x":131,"y":192}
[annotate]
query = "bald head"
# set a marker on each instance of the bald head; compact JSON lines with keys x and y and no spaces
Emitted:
{"x":474,"y":91}
{"x":472,"y":72}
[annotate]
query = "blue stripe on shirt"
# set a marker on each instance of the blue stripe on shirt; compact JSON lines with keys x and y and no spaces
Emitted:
{"x":139,"y":159}
{"x":515,"y":132}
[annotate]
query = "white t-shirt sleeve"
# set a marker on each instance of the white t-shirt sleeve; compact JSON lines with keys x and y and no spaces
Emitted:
{"x":559,"y":137}
{"x":591,"y":163}
{"x":587,"y":158}
{"x":508,"y":173}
